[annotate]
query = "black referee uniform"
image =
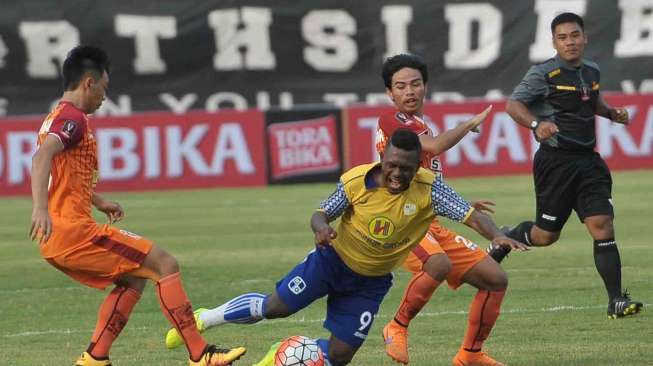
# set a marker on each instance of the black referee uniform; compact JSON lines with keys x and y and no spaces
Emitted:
{"x":568,"y":173}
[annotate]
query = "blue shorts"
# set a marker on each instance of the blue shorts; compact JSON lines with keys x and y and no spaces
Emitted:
{"x":353,"y":299}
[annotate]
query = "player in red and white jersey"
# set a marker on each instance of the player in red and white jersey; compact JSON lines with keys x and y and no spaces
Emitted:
{"x":442,"y":254}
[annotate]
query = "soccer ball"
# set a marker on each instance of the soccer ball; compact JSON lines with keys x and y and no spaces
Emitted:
{"x":298,"y":351}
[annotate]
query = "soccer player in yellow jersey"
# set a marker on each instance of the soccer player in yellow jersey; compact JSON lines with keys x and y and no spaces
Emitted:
{"x":385,"y":209}
{"x":64,"y":174}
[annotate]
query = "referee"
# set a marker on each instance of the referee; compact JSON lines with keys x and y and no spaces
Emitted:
{"x":558,"y":100}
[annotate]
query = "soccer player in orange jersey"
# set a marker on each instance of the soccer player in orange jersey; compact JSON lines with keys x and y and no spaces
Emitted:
{"x":442,"y":254}
{"x":64,"y":174}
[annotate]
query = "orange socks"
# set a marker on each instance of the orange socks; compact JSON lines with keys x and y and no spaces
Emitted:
{"x":483,"y":313}
{"x":112,"y":317}
{"x":418,"y":292}
{"x":177,"y":308}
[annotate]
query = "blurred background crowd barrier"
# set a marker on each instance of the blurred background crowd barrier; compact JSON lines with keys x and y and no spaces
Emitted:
{"x":245,"y":93}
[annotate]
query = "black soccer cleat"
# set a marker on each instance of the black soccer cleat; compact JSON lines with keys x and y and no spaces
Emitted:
{"x":498,"y":253}
{"x":623,"y":306}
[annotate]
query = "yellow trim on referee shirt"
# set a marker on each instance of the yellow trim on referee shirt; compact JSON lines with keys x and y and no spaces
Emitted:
{"x":566,"y":87}
{"x":554,"y":73}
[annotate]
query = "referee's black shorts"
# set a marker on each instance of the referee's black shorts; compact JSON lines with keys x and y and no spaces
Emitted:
{"x":566,"y":180}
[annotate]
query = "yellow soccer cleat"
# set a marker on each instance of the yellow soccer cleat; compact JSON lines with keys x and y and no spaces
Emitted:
{"x":465,"y":358}
{"x":174,"y":340}
{"x":395,"y":337}
{"x":87,"y":360}
{"x":268,"y":360}
{"x":214,"y":356}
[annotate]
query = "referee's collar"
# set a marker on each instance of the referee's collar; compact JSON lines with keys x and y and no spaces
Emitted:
{"x":567,"y":65}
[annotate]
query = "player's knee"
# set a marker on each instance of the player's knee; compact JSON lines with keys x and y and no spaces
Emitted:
{"x":498,"y":281}
{"x":545,"y":238}
{"x":168,"y":265}
{"x":601,"y":228}
{"x":134,"y":283}
{"x":338,"y":357}
{"x":275,"y":308}
{"x":437,"y":266}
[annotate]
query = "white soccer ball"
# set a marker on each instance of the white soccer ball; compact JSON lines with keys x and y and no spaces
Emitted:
{"x":299,"y":351}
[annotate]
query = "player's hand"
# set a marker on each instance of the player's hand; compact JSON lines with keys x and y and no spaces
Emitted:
{"x":41,"y":228}
{"x":113,"y":210}
{"x":324,"y":235}
{"x":619,"y":115}
{"x":478,"y":119}
{"x":484,"y":206}
{"x":545,"y":130}
{"x":505,"y":241}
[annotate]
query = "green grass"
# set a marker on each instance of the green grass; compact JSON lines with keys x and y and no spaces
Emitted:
{"x":233,"y":241}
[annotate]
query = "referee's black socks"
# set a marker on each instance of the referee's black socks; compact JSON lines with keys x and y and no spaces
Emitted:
{"x":608,"y":263}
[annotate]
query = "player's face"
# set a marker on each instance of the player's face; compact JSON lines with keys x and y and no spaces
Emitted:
{"x":398,"y":168}
{"x":569,"y":40}
{"x":96,"y":92}
{"x":407,"y":90}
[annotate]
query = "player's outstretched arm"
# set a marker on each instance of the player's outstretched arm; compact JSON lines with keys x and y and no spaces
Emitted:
{"x":446,"y":140}
{"x":619,"y":114}
{"x":41,"y":166}
{"x":112,"y":209}
{"x":324,"y":233}
{"x":484,"y":225}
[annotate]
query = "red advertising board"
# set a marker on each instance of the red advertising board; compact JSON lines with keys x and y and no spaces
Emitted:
{"x":503,"y":147}
{"x":153,"y":151}
{"x":303,"y":147}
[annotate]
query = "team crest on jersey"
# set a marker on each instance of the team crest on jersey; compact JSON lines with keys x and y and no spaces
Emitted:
{"x":69,"y":128}
{"x":297,"y":285}
{"x":410,"y":209}
{"x":402,"y":117}
{"x":381,"y":227}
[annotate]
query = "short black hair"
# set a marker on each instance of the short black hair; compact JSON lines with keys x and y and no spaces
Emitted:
{"x":81,"y":60}
{"x":397,"y":62}
{"x":406,"y":139}
{"x":567,"y":18}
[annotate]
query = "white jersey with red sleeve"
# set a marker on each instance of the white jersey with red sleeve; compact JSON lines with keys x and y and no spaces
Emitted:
{"x":390,"y":122}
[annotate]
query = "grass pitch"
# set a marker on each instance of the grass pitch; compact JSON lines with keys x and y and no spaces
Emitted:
{"x":233,"y":241}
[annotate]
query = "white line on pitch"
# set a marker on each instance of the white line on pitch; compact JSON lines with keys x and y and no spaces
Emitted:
{"x":553,"y":309}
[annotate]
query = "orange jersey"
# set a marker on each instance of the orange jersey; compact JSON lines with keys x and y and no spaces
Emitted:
{"x":390,"y":122}
{"x":72,"y":179}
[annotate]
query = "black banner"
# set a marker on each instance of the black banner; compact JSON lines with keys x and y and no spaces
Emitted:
{"x":184,"y":55}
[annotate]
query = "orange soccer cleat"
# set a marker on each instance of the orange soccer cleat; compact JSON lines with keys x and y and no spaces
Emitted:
{"x":396,"y":342}
{"x":466,"y":358}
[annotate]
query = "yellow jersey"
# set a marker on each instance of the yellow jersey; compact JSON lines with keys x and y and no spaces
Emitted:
{"x":378,"y":229}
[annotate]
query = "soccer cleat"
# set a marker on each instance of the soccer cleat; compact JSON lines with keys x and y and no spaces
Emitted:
{"x":466,"y":358}
{"x":396,"y":342}
{"x":174,"y":340}
{"x":268,"y":359}
{"x":623,"y":306}
{"x":87,"y":360}
{"x":214,"y":356}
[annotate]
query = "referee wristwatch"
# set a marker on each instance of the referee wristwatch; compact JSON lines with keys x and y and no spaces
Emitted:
{"x":534,"y":124}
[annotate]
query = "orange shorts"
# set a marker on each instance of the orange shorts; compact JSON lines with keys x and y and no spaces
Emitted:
{"x":103,"y":259}
{"x":462,"y":253}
